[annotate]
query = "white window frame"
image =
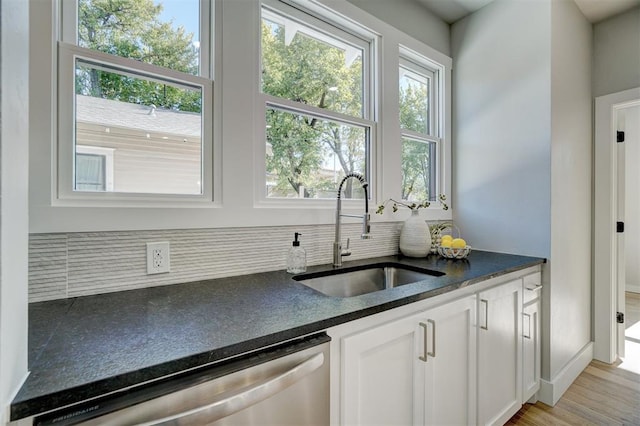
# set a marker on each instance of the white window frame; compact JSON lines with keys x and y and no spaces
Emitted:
{"x":433,"y":73}
{"x":320,"y":21}
{"x":64,"y":166}
{"x":238,"y":134}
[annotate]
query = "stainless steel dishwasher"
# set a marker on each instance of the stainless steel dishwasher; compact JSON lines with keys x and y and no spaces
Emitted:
{"x":283,"y":385}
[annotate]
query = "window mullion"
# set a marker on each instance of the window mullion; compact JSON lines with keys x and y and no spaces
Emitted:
{"x":136,"y":68}
{"x":68,"y":10}
{"x":305,"y":109}
{"x":420,"y":136}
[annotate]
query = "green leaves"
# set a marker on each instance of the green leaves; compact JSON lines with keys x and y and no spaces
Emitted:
{"x":412,"y":206}
{"x":132,"y":29}
{"x":307,"y":155}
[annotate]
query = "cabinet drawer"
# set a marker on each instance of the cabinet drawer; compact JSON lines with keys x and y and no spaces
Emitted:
{"x":532,"y":284}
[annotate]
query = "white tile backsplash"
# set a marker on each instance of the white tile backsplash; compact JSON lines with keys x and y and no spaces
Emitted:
{"x":85,"y":263}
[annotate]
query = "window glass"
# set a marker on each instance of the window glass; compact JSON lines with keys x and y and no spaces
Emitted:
{"x":414,"y":101}
{"x":154,"y":128}
{"x":160,"y":32}
{"x":418,"y":93}
{"x":307,"y":156}
{"x":90,"y":172}
{"x":418,"y":170}
{"x":305,"y":65}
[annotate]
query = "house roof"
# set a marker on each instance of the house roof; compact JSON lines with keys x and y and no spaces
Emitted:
{"x":106,"y":112}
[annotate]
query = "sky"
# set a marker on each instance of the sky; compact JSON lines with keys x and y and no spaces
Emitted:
{"x":183,"y":12}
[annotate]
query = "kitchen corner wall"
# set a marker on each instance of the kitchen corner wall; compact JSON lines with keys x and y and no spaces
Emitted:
{"x":65,"y":265}
{"x":522,"y":161}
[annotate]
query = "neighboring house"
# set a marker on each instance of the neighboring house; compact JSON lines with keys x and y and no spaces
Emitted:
{"x":126,"y":147}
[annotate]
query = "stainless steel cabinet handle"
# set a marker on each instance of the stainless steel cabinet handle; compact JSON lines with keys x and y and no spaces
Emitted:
{"x":424,"y":340}
{"x":534,"y":288}
{"x":433,"y":339}
{"x":528,"y":335}
{"x":486,"y":314}
{"x":247,"y":396}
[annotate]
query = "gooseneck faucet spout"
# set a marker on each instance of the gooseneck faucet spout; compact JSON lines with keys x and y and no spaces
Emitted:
{"x":338,"y":253}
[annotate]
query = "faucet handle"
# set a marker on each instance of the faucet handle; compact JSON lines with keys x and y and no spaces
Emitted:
{"x":346,"y":251}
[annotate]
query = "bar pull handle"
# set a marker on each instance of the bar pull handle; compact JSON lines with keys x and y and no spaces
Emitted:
{"x":534,"y":287}
{"x":528,"y":335}
{"x":424,"y":340}
{"x":486,"y":314}
{"x":244,"y":397}
{"x":433,"y":338}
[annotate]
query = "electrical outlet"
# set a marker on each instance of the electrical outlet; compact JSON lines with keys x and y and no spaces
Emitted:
{"x":158,"y":259}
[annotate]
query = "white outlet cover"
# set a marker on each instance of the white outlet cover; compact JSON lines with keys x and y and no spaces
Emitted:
{"x":158,"y":257}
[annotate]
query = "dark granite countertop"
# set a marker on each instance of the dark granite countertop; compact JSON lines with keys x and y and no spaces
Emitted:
{"x":87,"y":346}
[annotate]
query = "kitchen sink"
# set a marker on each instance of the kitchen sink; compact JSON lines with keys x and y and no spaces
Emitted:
{"x":355,"y":281}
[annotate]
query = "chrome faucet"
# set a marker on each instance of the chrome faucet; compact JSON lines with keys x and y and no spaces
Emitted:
{"x":338,"y":253}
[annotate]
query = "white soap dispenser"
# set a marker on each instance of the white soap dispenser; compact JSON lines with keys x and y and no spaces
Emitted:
{"x":297,"y":258}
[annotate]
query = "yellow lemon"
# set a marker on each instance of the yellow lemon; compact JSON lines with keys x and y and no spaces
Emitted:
{"x":445,"y":243}
{"x":458,"y":243}
{"x":447,"y":237}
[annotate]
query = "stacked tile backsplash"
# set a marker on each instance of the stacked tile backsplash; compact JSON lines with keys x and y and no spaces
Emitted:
{"x":85,"y":263}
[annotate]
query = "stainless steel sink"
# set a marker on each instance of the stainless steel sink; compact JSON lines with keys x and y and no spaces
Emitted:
{"x":361,"y":280}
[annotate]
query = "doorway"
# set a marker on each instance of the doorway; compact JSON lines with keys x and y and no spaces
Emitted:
{"x":627,"y":119}
{"x":617,"y":195}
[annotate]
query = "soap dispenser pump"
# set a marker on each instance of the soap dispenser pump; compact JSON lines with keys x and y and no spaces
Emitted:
{"x":297,"y":258}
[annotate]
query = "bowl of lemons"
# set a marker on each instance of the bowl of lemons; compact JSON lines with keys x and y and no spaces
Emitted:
{"x":453,"y":248}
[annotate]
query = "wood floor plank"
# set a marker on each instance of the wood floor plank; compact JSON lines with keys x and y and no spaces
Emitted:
{"x":603,"y":394}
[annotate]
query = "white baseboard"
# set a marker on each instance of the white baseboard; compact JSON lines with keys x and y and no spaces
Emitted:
{"x":551,"y":391}
{"x":632,"y":288}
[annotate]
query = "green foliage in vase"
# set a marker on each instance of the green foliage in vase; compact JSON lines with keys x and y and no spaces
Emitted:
{"x":412,"y":206}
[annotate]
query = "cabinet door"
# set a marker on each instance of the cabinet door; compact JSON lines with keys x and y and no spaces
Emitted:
{"x":499,"y":353}
{"x":530,"y":350}
{"x":450,"y":386}
{"x":382,"y":378}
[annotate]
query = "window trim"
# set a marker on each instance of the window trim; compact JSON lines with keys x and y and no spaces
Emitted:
{"x":238,"y":115}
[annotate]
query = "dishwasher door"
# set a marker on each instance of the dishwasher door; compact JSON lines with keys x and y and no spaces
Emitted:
{"x":288,"y":385}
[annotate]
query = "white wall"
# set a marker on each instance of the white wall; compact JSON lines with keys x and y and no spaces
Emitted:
{"x":616,"y":53}
{"x":411,"y":18}
{"x":14,"y":230}
{"x":501,"y":160}
{"x":567,"y":301}
{"x":522,"y":153}
{"x":631,"y":127}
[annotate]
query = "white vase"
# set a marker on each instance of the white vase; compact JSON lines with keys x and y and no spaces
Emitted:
{"x":415,"y":238}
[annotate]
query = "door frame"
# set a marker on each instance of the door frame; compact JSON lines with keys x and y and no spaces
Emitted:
{"x":605,"y":213}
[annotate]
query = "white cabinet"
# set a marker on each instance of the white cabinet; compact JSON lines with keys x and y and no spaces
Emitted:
{"x":450,"y":385}
{"x":499,"y":353}
{"x":531,"y":337}
{"x":467,"y":359}
{"x":380,"y":375}
{"x":416,"y":370}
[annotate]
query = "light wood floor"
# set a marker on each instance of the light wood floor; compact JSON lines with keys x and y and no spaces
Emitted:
{"x":602,"y":395}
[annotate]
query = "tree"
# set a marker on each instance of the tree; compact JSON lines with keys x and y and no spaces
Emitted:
{"x":314,"y":73}
{"x":132,"y":29}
